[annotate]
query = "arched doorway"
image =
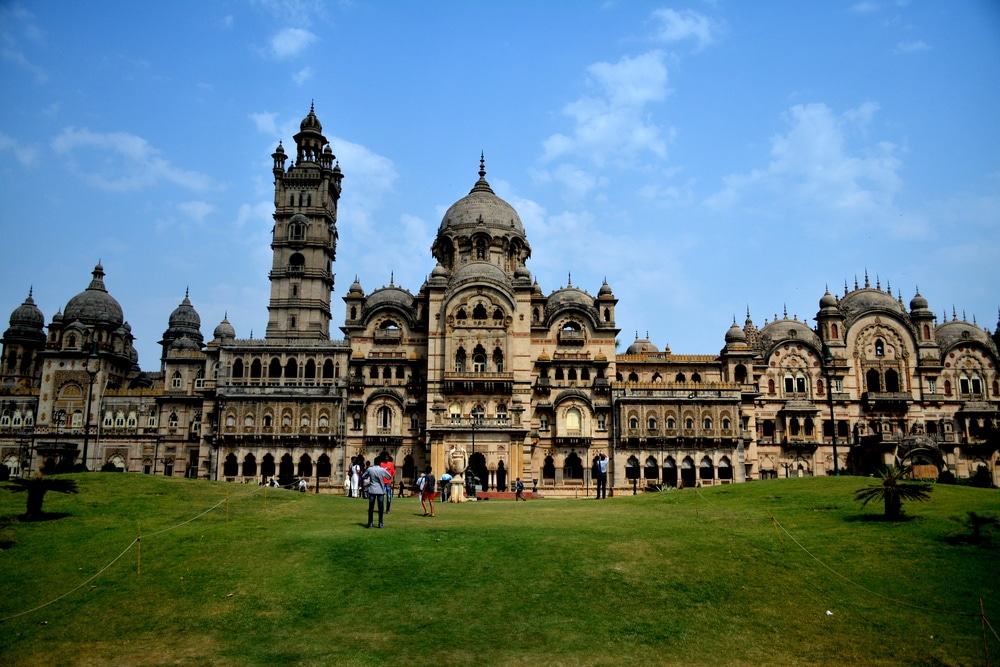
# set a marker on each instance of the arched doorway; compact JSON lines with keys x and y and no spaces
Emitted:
{"x":688,"y":474}
{"x":477,"y":463}
{"x":670,"y":472}
{"x":286,"y":470}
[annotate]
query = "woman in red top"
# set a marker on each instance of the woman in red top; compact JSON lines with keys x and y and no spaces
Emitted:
{"x":391,"y":468}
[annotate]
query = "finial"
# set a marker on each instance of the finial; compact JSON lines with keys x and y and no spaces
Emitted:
{"x":954,"y":314}
{"x":784,"y":312}
{"x":878,"y":283}
{"x":867,"y":284}
{"x":963,"y":316}
{"x":569,"y":279}
{"x":855,"y":283}
{"x":187,"y":291}
{"x":392,"y":277}
{"x":482,"y":164}
{"x":312,"y":106}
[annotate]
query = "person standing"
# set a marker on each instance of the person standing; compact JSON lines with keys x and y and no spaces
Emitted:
{"x":427,"y":491}
{"x":389,"y":467}
{"x":355,"y":471}
{"x":519,"y":487}
{"x":378,"y":478}
{"x":602,"y":476}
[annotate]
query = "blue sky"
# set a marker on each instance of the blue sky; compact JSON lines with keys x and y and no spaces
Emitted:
{"x":703,"y":157}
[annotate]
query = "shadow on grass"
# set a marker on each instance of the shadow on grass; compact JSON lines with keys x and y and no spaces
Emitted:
{"x":878,"y":518}
{"x":44,"y":516}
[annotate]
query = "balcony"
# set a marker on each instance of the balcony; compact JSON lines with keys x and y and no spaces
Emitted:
{"x":886,"y":401}
{"x":478,"y":383}
{"x":388,"y":336}
{"x":572,"y":337}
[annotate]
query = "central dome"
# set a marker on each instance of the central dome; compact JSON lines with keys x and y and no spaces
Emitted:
{"x":94,"y":306}
{"x":481,"y":209}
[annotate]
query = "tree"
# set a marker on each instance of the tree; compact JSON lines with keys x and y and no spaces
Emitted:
{"x":37,"y":487}
{"x":893,"y":490}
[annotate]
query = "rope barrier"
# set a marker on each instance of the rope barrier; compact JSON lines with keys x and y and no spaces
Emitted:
{"x":136,"y":543}
{"x":778,"y":525}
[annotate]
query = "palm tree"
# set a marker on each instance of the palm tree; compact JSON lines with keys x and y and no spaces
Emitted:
{"x":37,"y":487}
{"x":893,"y":490}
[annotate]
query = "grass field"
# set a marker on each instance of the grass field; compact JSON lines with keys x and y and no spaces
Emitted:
{"x":735,"y":575}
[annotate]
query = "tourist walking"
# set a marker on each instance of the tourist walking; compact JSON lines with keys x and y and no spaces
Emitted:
{"x":519,"y":487}
{"x":427,"y":492}
{"x":377,"y":479}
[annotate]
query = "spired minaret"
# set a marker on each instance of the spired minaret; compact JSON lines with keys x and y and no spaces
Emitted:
{"x":304,"y":239}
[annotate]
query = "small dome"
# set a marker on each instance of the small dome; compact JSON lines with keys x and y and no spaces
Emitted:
{"x":954,"y":332}
{"x":828,"y":300}
{"x":185,"y":344}
{"x":184,"y":321}
{"x":867,"y":298}
{"x":392,"y":296}
{"x":536,"y":289}
{"x":918,"y":302}
{"x":735,"y":335}
{"x":355,"y":288}
{"x":569,"y":296}
{"x":605,"y":290}
{"x":311,"y":122}
{"x":94,"y":306}
{"x":479,"y":272}
{"x":280,"y":150}
{"x":641,"y":346}
{"x":225,"y":330}
{"x":439,"y":271}
{"x":27,"y":315}
{"x":522,"y":273}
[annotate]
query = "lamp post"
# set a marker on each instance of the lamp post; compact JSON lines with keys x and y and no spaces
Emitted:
{"x":828,"y":372}
{"x":92,"y":367}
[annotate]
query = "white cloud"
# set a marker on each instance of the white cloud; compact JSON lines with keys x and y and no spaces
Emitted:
{"x":290,"y":42}
{"x":303,"y":75}
{"x":911,"y":47}
{"x":678,"y":26}
{"x":613,"y":124}
{"x":865,"y":7}
{"x":814,"y":178}
{"x":196,"y":210}
{"x":122,"y":162}
{"x":26,"y":155}
{"x":266,"y":122}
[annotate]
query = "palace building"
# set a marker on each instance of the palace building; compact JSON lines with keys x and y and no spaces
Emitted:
{"x":479,"y":358}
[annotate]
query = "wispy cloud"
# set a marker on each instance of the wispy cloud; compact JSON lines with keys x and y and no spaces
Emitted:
{"x":813,"y":176}
{"x":611,"y":124}
{"x":18,"y":27}
{"x":678,"y":26}
{"x":290,"y":42}
{"x":911,"y":47}
{"x":122,"y":162}
{"x":27,"y":156}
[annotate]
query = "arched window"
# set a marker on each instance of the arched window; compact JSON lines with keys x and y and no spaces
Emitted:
{"x":688,"y":423}
{"x":651,"y":423}
{"x":633,"y":377}
{"x":498,"y":359}
{"x":356,"y":421}
{"x":680,"y":377}
{"x":291,"y":369}
{"x":573,"y":419}
{"x":696,"y":377}
{"x":725,"y":468}
{"x":249,"y":466}
{"x":671,"y":423}
{"x":834,"y":332}
{"x":480,"y":249}
{"x":706,"y":469}
{"x":633,"y":422}
{"x":502,"y":413}
{"x":891,"y":381}
{"x":879,"y":348}
{"x":740,"y":373}
{"x":461,"y":315}
{"x":238,"y":369}
{"x":385,"y":417}
{"x":231,"y":468}
{"x":256,"y":368}
{"x":310,"y":370}
{"x":708,"y":423}
{"x":460,"y":360}
{"x":274,"y":368}
{"x":770,"y":386}
{"x":455,"y":412}
{"x":247,"y":421}
{"x":873,"y":381}
{"x":479,"y":360}
{"x":479,"y":312}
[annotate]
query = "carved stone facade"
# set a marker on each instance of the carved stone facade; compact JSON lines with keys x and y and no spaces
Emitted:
{"x":480,"y":359}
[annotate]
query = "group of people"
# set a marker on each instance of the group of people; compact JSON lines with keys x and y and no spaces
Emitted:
{"x":377,"y":480}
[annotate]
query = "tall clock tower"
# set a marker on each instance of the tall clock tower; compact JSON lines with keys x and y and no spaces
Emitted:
{"x":304,"y":239}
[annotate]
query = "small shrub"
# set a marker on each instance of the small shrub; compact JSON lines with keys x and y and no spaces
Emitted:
{"x":946,"y":477}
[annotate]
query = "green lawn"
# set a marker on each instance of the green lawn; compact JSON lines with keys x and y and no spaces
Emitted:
{"x":687,"y":578}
